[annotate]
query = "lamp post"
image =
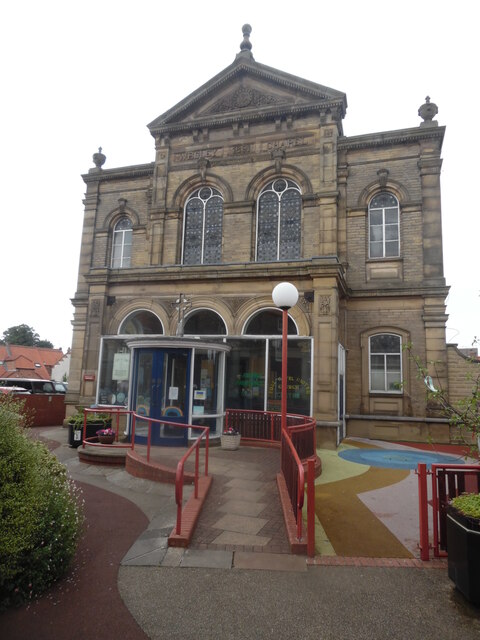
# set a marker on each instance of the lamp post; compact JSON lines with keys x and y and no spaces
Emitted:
{"x":285,"y":296}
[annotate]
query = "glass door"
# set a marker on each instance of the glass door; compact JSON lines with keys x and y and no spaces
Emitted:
{"x":160,"y":390}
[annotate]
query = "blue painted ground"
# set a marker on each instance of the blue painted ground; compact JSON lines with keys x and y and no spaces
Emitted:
{"x":397,"y":458}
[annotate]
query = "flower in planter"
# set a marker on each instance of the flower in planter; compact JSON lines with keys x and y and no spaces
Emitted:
{"x":105,"y":432}
{"x":230,"y":432}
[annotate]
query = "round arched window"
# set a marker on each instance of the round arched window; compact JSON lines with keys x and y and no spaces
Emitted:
{"x":205,"y":322}
{"x":141,"y":322}
{"x":269,"y":323}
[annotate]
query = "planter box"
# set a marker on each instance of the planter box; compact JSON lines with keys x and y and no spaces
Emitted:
{"x":230,"y":442}
{"x":75,"y":435}
{"x":463,"y":546}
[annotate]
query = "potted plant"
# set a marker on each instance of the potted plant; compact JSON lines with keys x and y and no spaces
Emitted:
{"x":230,"y":439}
{"x":106,"y":436}
{"x":95,"y":421}
{"x":463,"y":544}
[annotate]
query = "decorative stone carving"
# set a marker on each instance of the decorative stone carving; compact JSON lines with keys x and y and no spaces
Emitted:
{"x":122,"y":203}
{"x":278,"y":156}
{"x":235,"y":303}
{"x":203,"y":164}
{"x":324,"y":305}
{"x":383,"y":177}
{"x":244,"y":97}
{"x":246,"y":44}
{"x":99,"y":158}
{"x":428,"y":111}
{"x":94,"y":308}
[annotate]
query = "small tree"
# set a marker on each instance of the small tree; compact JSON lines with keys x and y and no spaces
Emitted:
{"x":464,"y":414}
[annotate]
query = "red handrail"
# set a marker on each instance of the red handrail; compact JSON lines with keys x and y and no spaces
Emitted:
{"x":294,"y":475}
{"x":179,"y":475}
{"x":180,"y":470}
{"x":117,"y":412}
{"x":456,"y":476}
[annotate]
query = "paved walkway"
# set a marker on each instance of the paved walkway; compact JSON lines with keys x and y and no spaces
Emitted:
{"x":125,"y":582}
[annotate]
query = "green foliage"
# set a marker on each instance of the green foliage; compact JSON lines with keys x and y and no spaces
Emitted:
{"x":464,"y":414}
{"x":77,"y":419}
{"x":24,"y":335}
{"x":40,"y":515}
{"x":468,"y":504}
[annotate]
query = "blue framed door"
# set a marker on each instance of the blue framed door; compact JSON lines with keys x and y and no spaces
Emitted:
{"x":161,"y":390}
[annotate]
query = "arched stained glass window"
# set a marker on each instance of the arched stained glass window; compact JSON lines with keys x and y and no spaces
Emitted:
{"x":384,"y":228}
{"x":202,"y":230}
{"x":279,"y":217}
{"x":122,"y":244}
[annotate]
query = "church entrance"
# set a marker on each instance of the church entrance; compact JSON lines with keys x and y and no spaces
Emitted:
{"x":161,"y":390}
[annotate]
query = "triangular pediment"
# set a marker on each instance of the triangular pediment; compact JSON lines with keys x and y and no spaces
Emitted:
{"x":248,"y":90}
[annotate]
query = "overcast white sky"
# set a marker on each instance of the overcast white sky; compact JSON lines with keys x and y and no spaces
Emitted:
{"x":79,"y":75}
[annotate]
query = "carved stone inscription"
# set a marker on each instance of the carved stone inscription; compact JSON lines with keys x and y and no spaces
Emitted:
{"x":245,"y":149}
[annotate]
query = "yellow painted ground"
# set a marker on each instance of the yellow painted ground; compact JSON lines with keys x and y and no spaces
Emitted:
{"x":345,"y":526}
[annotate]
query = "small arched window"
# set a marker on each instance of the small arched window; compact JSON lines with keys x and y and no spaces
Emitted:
{"x":279,"y":216}
{"x":384,"y":227}
{"x":122,"y":244}
{"x":202,"y":227}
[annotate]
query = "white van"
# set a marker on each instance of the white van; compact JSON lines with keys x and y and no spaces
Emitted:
{"x":31,"y":385}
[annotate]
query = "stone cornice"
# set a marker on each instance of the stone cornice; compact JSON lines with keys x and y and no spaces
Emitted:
{"x":297,"y":269}
{"x":410,"y":291}
{"x":387,"y":138}
{"x":119,"y":173}
{"x":227,"y":119}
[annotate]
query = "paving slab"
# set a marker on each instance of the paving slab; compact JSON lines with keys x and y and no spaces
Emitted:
{"x":207,"y":559}
{"x":150,"y":559}
{"x":240,"y":524}
{"x":242,"y":507}
{"x":241,"y":539}
{"x":246,"y":485}
{"x":269,"y":561}
{"x":240,"y":494}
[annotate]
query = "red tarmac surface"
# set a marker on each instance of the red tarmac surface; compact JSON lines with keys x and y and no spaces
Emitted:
{"x":86,"y":605}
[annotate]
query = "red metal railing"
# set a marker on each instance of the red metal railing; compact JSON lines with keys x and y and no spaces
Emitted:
{"x":298,"y":450}
{"x":180,"y":470}
{"x":115,"y":428}
{"x":447,"y":482}
{"x":265,"y":426}
{"x":294,"y":474}
{"x":179,"y":477}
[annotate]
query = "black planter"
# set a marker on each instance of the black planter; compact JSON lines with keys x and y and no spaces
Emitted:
{"x":463,"y":545}
{"x":75,"y":435}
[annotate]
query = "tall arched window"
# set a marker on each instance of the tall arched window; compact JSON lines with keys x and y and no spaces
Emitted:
{"x":279,"y":215}
{"x":384,"y":228}
{"x":122,"y":244}
{"x":202,"y":228}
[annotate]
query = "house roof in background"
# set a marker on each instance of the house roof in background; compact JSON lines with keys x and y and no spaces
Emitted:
{"x":17,"y":361}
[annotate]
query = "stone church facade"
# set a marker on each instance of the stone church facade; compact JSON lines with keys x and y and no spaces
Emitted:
{"x":254,"y":183}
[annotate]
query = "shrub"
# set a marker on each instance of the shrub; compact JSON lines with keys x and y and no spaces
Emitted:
{"x":40,"y":515}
